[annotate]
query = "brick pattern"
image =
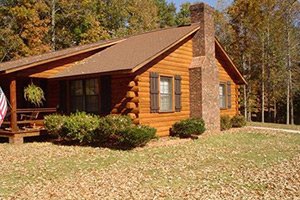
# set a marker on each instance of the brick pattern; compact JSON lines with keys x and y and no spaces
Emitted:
{"x":204,"y":80}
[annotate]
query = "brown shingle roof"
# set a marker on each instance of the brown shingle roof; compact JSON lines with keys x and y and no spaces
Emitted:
{"x":130,"y":53}
{"x":36,"y":60}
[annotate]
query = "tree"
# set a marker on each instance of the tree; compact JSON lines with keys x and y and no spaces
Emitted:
{"x":77,"y":22}
{"x":183,"y":16}
{"x":253,"y":33}
{"x":114,"y":17}
{"x":291,"y":16}
{"x":166,"y":13}
{"x":26,"y":24}
{"x":142,"y":16}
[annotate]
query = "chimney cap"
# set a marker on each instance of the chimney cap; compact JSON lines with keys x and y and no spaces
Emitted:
{"x":201,"y":7}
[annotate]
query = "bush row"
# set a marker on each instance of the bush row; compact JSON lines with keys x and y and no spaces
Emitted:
{"x":87,"y":128}
{"x":236,"y":122}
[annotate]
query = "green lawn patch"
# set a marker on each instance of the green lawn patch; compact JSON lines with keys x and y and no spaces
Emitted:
{"x":274,"y":125}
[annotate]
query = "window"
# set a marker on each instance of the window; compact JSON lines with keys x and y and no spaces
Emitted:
{"x":222,"y":93}
{"x":77,"y":95}
{"x":92,"y":95}
{"x":85,"y":95}
{"x":166,"y":94}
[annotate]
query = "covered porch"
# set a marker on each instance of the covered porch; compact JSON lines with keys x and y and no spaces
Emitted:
{"x":97,"y":94}
{"x":22,"y":118}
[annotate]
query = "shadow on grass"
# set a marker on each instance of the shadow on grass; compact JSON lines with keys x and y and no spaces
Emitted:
{"x":110,"y":144}
{"x":3,"y":140}
{"x":32,"y":139}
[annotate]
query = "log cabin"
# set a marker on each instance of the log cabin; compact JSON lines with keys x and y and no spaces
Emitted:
{"x":157,"y":78}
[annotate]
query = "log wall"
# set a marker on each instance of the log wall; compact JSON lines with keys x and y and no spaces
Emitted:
{"x":124,"y":96}
{"x":224,"y":77}
{"x":174,"y":62}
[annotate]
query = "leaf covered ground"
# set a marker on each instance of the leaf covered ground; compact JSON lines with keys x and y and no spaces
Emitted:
{"x":237,"y":164}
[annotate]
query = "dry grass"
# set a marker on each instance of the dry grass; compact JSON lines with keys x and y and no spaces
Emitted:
{"x":238,"y":164}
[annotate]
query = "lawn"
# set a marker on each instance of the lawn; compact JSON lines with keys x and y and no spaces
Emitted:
{"x":273,"y":125}
{"x":238,"y":164}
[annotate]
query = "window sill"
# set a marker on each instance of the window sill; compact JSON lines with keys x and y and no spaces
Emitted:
{"x":171,"y":111}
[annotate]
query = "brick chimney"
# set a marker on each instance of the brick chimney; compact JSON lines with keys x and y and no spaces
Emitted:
{"x":204,"y":77}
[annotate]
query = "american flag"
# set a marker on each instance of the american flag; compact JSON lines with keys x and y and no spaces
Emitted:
{"x":3,"y":106}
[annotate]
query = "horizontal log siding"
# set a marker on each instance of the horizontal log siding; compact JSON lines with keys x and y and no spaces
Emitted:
{"x":224,"y":77}
{"x":177,"y":62}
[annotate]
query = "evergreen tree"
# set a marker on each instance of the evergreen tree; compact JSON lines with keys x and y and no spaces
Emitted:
{"x":183,"y":16}
{"x":166,"y":13}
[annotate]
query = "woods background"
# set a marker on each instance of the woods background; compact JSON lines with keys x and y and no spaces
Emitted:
{"x":262,"y":37}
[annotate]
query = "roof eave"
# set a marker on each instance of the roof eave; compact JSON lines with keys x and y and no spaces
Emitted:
{"x":29,"y":65}
{"x":86,"y":75}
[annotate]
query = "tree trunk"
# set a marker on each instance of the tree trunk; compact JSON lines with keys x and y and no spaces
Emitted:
{"x":245,"y":101}
{"x":249,"y":106}
{"x":263,"y":84}
{"x":244,"y":88}
{"x":268,"y":71}
{"x":291,"y":98}
{"x":275,"y":111}
{"x":288,"y":103}
{"x":288,"y":63}
{"x":249,"y":92}
{"x":53,"y":39}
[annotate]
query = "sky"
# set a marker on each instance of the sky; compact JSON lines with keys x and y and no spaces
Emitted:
{"x":212,"y":3}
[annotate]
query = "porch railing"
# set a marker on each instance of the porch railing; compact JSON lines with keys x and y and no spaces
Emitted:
{"x":29,"y":117}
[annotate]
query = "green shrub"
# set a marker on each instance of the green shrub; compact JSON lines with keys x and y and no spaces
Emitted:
{"x":53,"y":123}
{"x":137,"y":136}
{"x":238,"y":121}
{"x":186,"y":128}
{"x":111,"y":125}
{"x":80,"y":126}
{"x":225,"y":122}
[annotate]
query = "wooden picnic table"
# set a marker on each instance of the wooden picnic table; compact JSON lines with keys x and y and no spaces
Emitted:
{"x":30,"y":111}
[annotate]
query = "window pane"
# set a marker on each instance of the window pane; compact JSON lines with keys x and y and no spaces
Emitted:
{"x":77,"y":88}
{"x":77,"y":104}
{"x":91,"y":87}
{"x":166,"y":94}
{"x":92,"y":104}
{"x":165,"y":102}
{"x":84,"y":95}
{"x":77,"y":95}
{"x":222,"y":96}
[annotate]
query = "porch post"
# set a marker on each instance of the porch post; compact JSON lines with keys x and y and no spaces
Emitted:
{"x":13,"y":103}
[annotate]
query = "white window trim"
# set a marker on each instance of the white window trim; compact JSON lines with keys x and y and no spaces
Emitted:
{"x":224,"y":96}
{"x":171,"y":93}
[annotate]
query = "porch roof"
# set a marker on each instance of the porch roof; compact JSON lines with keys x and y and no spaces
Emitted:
{"x":31,"y":61}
